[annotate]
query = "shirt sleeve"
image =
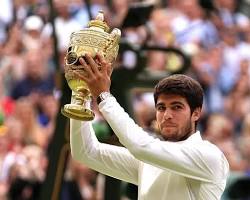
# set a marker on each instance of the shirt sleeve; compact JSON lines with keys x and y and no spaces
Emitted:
{"x":200,"y":162}
{"x":108,"y":159}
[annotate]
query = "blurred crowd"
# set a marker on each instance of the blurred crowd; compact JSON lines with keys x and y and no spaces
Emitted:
{"x":214,"y":34}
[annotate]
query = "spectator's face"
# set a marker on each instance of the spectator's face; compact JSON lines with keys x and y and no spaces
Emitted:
{"x":229,"y":36}
{"x":228,"y":4}
{"x":191,"y":8}
{"x":35,"y":64}
{"x":119,"y":4}
{"x":49,"y":105}
{"x":62,"y":8}
{"x":174,"y":117}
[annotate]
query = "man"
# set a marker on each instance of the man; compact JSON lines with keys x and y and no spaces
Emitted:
{"x":180,"y":167}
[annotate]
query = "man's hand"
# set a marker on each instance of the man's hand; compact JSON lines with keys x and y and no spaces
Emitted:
{"x":98,"y":72}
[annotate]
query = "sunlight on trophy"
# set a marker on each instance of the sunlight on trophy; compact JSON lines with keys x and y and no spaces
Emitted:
{"x":95,"y":38}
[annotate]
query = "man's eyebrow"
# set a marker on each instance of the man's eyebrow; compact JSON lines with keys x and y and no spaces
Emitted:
{"x":172,"y":103}
{"x":176,"y":102}
{"x":159,"y":104}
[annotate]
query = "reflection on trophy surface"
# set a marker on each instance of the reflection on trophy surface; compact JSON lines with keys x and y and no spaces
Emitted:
{"x":95,"y":38}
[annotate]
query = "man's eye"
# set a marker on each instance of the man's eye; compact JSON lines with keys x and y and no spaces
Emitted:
{"x":160,"y":108}
{"x":177,"y":107}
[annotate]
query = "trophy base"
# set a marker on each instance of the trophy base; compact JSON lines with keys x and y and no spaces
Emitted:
{"x":77,"y":112}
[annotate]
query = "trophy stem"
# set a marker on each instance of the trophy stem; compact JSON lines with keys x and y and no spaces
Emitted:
{"x":79,"y":108}
{"x":80,"y":96}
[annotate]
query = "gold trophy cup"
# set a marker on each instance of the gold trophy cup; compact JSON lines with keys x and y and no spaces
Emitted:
{"x":95,"y":38}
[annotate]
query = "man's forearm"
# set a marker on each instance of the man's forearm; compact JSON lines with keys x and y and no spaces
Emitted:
{"x":81,"y":147}
{"x":108,"y":159}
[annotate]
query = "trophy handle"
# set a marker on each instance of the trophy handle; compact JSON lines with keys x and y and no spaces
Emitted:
{"x":115,"y":36}
{"x":112,"y":45}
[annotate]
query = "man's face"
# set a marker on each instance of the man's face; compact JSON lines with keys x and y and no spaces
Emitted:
{"x":174,"y":117}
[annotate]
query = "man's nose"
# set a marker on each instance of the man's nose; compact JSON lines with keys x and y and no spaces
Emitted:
{"x":168,"y":114}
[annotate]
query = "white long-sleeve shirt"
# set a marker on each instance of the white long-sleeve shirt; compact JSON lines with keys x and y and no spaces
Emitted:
{"x":192,"y":169}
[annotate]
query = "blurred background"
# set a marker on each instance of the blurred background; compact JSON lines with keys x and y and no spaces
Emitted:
{"x":206,"y":39}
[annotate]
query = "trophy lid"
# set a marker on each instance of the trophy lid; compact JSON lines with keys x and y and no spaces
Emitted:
{"x":99,"y":22}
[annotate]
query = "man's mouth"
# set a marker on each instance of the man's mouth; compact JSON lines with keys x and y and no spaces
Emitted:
{"x":169,"y":125}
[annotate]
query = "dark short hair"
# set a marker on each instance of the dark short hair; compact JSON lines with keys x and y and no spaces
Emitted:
{"x":185,"y":86}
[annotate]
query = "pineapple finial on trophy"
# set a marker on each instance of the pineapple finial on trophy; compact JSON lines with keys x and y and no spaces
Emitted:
{"x":99,"y":22}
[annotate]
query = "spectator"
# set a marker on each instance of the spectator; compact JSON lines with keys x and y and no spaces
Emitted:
{"x":32,"y":38}
{"x":12,"y":66}
{"x":220,"y":131}
{"x":28,"y":177}
{"x":48,"y":108}
{"x":27,"y":114}
{"x":37,"y":80}
{"x":65,"y":24}
{"x":207,"y":66}
{"x":80,"y":183}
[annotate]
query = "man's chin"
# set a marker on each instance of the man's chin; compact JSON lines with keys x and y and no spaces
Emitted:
{"x":171,"y":139}
{"x":169,"y":130}
{"x":169,"y":135}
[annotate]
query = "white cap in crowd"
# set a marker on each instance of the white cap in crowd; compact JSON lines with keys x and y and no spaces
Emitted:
{"x":33,"y":22}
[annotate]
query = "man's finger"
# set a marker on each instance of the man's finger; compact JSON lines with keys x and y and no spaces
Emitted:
{"x":109,"y":69}
{"x":105,"y":65}
{"x":100,"y":58}
{"x":86,"y":67}
{"x":92,"y":64}
{"x":80,"y":76}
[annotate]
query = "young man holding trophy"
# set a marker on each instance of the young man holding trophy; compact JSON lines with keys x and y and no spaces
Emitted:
{"x":179,"y":166}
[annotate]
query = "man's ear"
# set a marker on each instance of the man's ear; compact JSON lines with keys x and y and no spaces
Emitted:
{"x":196,"y":114}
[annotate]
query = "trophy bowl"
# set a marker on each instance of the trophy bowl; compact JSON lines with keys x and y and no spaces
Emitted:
{"x":93,"y":39}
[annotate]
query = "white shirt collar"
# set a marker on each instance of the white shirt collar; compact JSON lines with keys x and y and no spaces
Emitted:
{"x":195,"y":137}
